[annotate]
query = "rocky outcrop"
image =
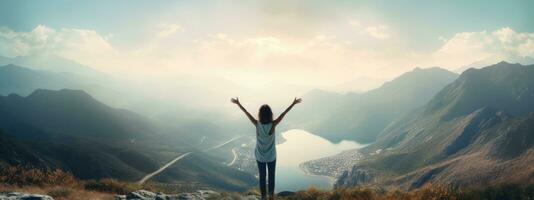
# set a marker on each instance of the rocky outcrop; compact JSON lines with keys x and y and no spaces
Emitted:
{"x":198,"y":195}
{"x":23,"y":196}
{"x":357,"y":176}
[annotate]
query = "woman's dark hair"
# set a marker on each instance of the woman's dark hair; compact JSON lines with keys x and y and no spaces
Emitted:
{"x":265,"y":114}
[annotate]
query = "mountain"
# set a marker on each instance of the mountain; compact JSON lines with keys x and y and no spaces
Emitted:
{"x":23,"y":81}
{"x":12,"y":152}
{"x":71,"y":130}
{"x":504,"y":86}
{"x":73,"y":112}
{"x":525,"y":60}
{"x":51,"y":63}
{"x":477,"y":130}
{"x":361,"y":116}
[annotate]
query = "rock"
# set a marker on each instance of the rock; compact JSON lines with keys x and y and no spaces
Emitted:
{"x":147,"y":195}
{"x":23,"y":196}
{"x":285,"y":194}
{"x":141,"y":195}
{"x":357,"y":176}
{"x":251,"y":197}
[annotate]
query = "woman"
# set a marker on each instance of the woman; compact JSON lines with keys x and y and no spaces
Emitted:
{"x":265,"y":142}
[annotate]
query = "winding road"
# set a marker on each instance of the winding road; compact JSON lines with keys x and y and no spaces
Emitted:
{"x":220,"y":145}
{"x":235,"y":157}
{"x":148,"y":176}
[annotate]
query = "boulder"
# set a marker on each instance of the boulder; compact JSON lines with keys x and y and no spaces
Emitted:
{"x":141,"y":195}
{"x":147,"y":195}
{"x":23,"y":196}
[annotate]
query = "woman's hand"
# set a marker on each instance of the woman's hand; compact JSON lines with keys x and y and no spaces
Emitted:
{"x":235,"y":100}
{"x":297,"y":101}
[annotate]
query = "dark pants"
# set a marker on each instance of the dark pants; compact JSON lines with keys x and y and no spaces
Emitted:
{"x":271,"y":168}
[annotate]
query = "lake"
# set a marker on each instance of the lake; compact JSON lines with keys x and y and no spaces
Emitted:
{"x":301,"y":146}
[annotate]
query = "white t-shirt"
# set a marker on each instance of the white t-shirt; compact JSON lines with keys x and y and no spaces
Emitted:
{"x":265,"y":146}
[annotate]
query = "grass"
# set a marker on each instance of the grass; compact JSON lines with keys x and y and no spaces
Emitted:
{"x":59,"y":192}
{"x":62,"y":186}
{"x":429,"y":192}
{"x":26,"y":176}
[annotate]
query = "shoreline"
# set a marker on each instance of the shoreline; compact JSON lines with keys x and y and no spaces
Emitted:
{"x":308,"y":173}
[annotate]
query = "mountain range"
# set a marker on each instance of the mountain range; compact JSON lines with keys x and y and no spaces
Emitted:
{"x":427,"y":126}
{"x":70,"y":130}
{"x":52,"y":63}
{"x":23,"y":81}
{"x":362,"y":116}
{"x":476,"y":131}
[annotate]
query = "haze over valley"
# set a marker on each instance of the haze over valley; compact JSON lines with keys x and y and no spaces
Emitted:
{"x":138,"y":97}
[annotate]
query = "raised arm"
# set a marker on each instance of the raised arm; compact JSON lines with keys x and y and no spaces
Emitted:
{"x":279,"y":119}
{"x":252,"y":119}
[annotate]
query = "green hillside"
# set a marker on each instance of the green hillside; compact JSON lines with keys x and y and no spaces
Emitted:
{"x":70,"y":130}
{"x":362,"y":117}
{"x":477,"y":128}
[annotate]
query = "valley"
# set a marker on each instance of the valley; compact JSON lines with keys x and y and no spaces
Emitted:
{"x":255,"y":99}
{"x":417,"y":142}
{"x":463,"y":134}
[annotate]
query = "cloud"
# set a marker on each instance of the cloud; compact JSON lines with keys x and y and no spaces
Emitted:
{"x":380,"y":32}
{"x":84,"y":46}
{"x":166,"y":30}
{"x":320,"y":60}
{"x":354,"y":23}
{"x":487,"y":47}
{"x":15,"y":44}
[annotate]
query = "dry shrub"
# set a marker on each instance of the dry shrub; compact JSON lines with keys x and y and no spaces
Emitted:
{"x":253,"y":191}
{"x":117,"y":187}
{"x":397,"y":194}
{"x":500,"y":192}
{"x":429,"y":192}
{"x":436,"y":193}
{"x":60,"y":192}
{"x":370,"y":193}
{"x":89,"y":195}
{"x":311,"y":193}
{"x":354,"y":193}
{"x":27,"y":176}
{"x":226,"y":196}
{"x":27,"y":189}
{"x":111,"y":186}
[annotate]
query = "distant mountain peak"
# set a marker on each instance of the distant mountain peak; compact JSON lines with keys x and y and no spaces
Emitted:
{"x":14,"y":95}
{"x":419,"y":70}
{"x":10,"y":65}
{"x":14,"y":67}
{"x":504,"y":86}
{"x":428,"y":68}
{"x":64,"y":93}
{"x":418,"y":75}
{"x":52,"y":63}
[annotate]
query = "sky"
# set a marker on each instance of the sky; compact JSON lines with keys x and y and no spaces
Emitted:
{"x":338,"y":45}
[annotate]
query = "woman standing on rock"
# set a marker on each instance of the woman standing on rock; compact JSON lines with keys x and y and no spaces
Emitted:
{"x":265,"y":142}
